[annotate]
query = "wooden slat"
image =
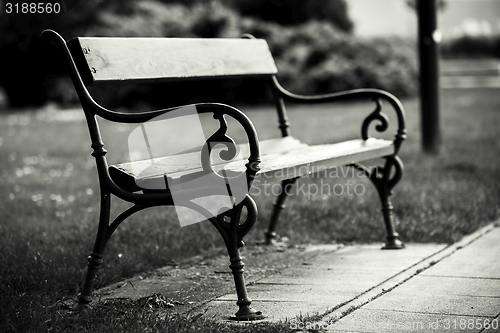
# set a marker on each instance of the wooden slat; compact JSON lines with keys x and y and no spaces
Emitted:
{"x":180,"y":165}
{"x":282,"y":158}
{"x":313,"y":159}
{"x":116,"y":59}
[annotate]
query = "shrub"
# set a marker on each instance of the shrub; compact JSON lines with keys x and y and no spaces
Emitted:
{"x":472,"y":47}
{"x":313,"y":57}
{"x":293,"y":12}
{"x":317,"y":58}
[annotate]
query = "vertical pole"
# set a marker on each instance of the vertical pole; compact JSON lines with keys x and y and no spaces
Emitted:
{"x":428,"y":39}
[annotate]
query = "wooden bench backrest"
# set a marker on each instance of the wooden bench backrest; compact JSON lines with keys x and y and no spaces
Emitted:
{"x":161,"y":59}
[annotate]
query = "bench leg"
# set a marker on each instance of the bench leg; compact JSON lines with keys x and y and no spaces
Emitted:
{"x":286,"y":185}
{"x":95,"y":258}
{"x":104,"y":232}
{"x":387,"y":183}
{"x":232,"y":232}
{"x":384,"y":180}
{"x":245,"y":311}
{"x":393,"y":242}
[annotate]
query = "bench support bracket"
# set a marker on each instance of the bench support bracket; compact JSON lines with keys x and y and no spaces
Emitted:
{"x":384,"y":180}
{"x":286,"y":186}
{"x":104,"y":232}
{"x":95,"y":258}
{"x":232,"y":231}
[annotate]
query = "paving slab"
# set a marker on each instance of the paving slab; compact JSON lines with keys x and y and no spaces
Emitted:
{"x":372,"y":258}
{"x":480,"y":259}
{"x":284,"y":292}
{"x":424,"y":302}
{"x":376,"y":321}
{"x":457,"y":286}
{"x":325,"y":281}
{"x":458,"y":277}
{"x":459,"y":293}
{"x":341,"y":279}
{"x":198,"y":280}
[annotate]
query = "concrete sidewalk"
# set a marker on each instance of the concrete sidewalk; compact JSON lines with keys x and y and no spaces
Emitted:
{"x":425,"y":287}
{"x":460,"y":292}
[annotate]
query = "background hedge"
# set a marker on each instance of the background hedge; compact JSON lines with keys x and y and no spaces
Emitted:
{"x":313,"y":55}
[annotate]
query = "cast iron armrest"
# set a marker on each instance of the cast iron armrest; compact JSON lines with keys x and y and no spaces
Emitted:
{"x":376,"y":94}
{"x":220,"y":136}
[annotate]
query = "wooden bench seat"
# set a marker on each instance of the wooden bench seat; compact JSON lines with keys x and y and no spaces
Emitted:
{"x":281,"y":159}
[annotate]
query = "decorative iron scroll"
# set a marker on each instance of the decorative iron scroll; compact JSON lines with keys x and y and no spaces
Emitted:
{"x":376,"y":115}
{"x":231,"y":219}
{"x":220,"y":137}
{"x":376,"y":94}
{"x":381,"y":176}
{"x":231,"y":150}
{"x":383,"y":125}
{"x":218,"y":189}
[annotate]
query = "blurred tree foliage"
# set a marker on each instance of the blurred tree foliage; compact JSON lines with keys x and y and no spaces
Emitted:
{"x":313,"y":55}
{"x":293,"y":12}
{"x":27,"y":64}
{"x":482,"y":46}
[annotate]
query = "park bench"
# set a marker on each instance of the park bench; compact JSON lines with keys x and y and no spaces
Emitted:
{"x":158,"y":179}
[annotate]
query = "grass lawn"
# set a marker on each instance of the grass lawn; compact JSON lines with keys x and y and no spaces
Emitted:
{"x":49,"y":205}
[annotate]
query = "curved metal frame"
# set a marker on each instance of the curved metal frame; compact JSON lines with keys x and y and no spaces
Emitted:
{"x":384,"y":183}
{"x":232,"y":232}
{"x":381,"y":179}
